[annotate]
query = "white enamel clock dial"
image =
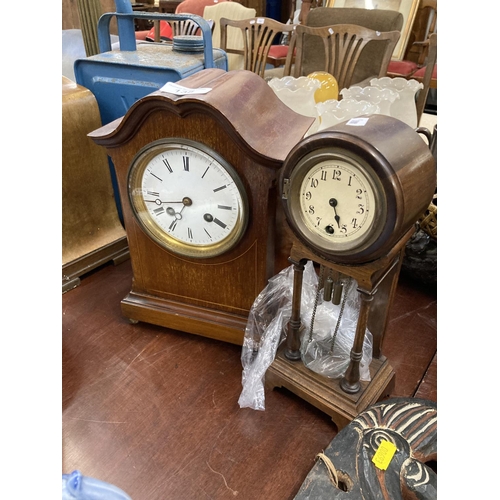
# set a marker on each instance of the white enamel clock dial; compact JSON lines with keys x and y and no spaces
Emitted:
{"x":188,"y":198}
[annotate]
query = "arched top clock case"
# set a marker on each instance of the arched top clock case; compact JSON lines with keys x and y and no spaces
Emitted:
{"x":242,"y":132}
{"x":242,"y":102}
{"x":331,"y":180}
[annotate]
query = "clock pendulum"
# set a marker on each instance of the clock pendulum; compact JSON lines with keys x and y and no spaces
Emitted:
{"x":331,"y":292}
{"x":312,"y":348}
{"x":351,"y":195}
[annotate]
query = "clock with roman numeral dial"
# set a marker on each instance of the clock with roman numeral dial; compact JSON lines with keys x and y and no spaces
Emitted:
{"x":188,"y":198}
{"x":197,"y":176}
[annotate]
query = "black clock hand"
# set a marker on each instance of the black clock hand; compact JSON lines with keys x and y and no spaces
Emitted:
{"x":333,"y":203}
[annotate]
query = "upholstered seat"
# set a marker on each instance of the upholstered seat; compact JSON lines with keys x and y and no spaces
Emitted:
{"x":403,"y":69}
{"x":277,"y":55}
{"x":419,"y":74}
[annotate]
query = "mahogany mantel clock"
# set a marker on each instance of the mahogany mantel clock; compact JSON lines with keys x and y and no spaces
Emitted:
{"x":351,"y":196}
{"x":197,"y":176}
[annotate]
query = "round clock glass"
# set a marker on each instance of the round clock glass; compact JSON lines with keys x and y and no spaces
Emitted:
{"x":335,"y":202}
{"x":187,"y":198}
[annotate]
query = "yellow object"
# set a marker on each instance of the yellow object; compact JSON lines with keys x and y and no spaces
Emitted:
{"x":384,"y":454}
{"x":329,"y":87}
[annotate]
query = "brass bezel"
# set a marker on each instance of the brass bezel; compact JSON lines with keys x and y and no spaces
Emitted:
{"x":142,"y":215}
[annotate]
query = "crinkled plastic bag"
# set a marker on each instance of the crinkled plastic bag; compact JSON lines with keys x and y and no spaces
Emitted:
{"x":316,"y":350}
{"x":265,"y":331}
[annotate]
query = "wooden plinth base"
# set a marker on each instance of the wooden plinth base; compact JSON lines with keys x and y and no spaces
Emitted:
{"x":188,"y":318}
{"x":326,"y":394}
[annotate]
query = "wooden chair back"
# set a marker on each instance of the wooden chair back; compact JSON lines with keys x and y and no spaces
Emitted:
{"x":418,"y":42}
{"x":229,"y":10}
{"x":427,"y":78}
{"x":343,"y":45}
{"x":423,"y":26}
{"x":374,"y":19}
{"x":187,"y":27}
{"x":258,"y":35}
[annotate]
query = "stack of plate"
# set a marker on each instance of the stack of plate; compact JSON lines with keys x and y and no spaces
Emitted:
{"x":188,"y":43}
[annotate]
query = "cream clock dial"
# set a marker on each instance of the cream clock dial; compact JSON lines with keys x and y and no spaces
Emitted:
{"x":337,"y":202}
{"x":334,"y":202}
{"x":188,"y":198}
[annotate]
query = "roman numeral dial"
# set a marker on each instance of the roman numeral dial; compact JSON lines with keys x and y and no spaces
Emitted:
{"x":188,"y":198}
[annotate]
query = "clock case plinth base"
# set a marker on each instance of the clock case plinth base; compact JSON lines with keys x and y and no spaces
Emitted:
{"x":187,"y":318}
{"x":377,"y":281}
{"x":326,"y":394}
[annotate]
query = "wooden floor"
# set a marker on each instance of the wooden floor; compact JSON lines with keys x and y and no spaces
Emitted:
{"x":155,"y":412}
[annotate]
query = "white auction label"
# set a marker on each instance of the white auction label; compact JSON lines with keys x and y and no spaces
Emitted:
{"x":173,"y":88}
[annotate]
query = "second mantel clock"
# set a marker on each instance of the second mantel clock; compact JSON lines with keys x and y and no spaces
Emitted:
{"x":351,"y":195}
{"x":197,"y":181}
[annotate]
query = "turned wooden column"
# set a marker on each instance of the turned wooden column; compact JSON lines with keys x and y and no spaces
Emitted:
{"x":350,"y":381}
{"x":292,"y":350}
